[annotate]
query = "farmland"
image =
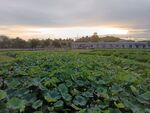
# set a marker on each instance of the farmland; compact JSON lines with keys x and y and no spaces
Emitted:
{"x":92,"y":81}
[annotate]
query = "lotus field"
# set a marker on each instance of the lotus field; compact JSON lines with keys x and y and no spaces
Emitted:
{"x":85,"y":81}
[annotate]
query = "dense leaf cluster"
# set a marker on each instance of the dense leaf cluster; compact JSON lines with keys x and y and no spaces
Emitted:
{"x":69,"y":82}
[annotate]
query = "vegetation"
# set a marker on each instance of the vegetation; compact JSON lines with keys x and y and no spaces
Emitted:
{"x":18,"y":43}
{"x":93,"y":81}
{"x":96,"y":38}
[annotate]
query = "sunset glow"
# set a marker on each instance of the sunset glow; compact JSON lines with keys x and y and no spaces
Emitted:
{"x":82,"y":31}
{"x":67,"y":32}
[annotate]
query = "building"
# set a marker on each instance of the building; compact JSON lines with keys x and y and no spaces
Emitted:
{"x":84,"y":45}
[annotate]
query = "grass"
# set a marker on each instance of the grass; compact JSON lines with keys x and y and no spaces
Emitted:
{"x":5,"y":58}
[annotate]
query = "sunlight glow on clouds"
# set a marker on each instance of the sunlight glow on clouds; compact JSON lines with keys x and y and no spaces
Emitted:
{"x":82,"y":31}
{"x":64,"y":32}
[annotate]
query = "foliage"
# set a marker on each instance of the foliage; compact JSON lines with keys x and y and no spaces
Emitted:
{"x":16,"y":104}
{"x":2,"y":94}
{"x":18,"y":43}
{"x":99,"y":81}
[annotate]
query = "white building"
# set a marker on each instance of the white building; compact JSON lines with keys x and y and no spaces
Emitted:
{"x":78,"y":45}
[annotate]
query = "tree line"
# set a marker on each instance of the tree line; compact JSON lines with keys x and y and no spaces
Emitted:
{"x":6,"y":42}
{"x":96,"y":38}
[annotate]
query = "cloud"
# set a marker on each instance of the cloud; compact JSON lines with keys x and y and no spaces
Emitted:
{"x":74,"y":12}
{"x":133,"y":14}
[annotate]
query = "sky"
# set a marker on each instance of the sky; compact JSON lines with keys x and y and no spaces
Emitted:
{"x":74,"y":18}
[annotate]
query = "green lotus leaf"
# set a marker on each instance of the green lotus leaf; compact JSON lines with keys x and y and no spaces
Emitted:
{"x":134,"y":90}
{"x":114,"y":98}
{"x":62,"y":88}
{"x":131,"y":106}
{"x":146,"y":95}
{"x":119,"y":105}
{"x":3,"y":94}
{"x":52,"y":96}
{"x":94,"y":109}
{"x":103,"y":105}
{"x":91,"y":78}
{"x":116,"y":89}
{"x":36,"y":81}
{"x":51,"y":108}
{"x":16,"y":104}
{"x":80,"y":100}
{"x":69,"y":83}
{"x":13,"y":83}
{"x":75,"y":92}
{"x":101,"y":82}
{"x":147,"y":110}
{"x":55,"y":94}
{"x":37,"y":104}
{"x":59,"y":104}
{"x":30,"y":98}
{"x":67,"y":97}
{"x":101,"y":90}
{"x":143,"y":101}
{"x":88,"y":94}
{"x":80,"y":82}
{"x":19,"y":92}
{"x":50,"y":99}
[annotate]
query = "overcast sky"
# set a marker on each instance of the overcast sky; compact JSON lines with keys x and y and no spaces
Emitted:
{"x":133,"y":15}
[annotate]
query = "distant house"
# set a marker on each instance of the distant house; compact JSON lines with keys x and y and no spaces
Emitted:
{"x":120,"y":44}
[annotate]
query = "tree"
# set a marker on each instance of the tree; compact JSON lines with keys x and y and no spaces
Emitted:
{"x":18,"y":43}
{"x":95,"y":37}
{"x":45,"y":43}
{"x":110,"y":39}
{"x":56,"y":43}
{"x":34,"y":43}
{"x":5,"y":42}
